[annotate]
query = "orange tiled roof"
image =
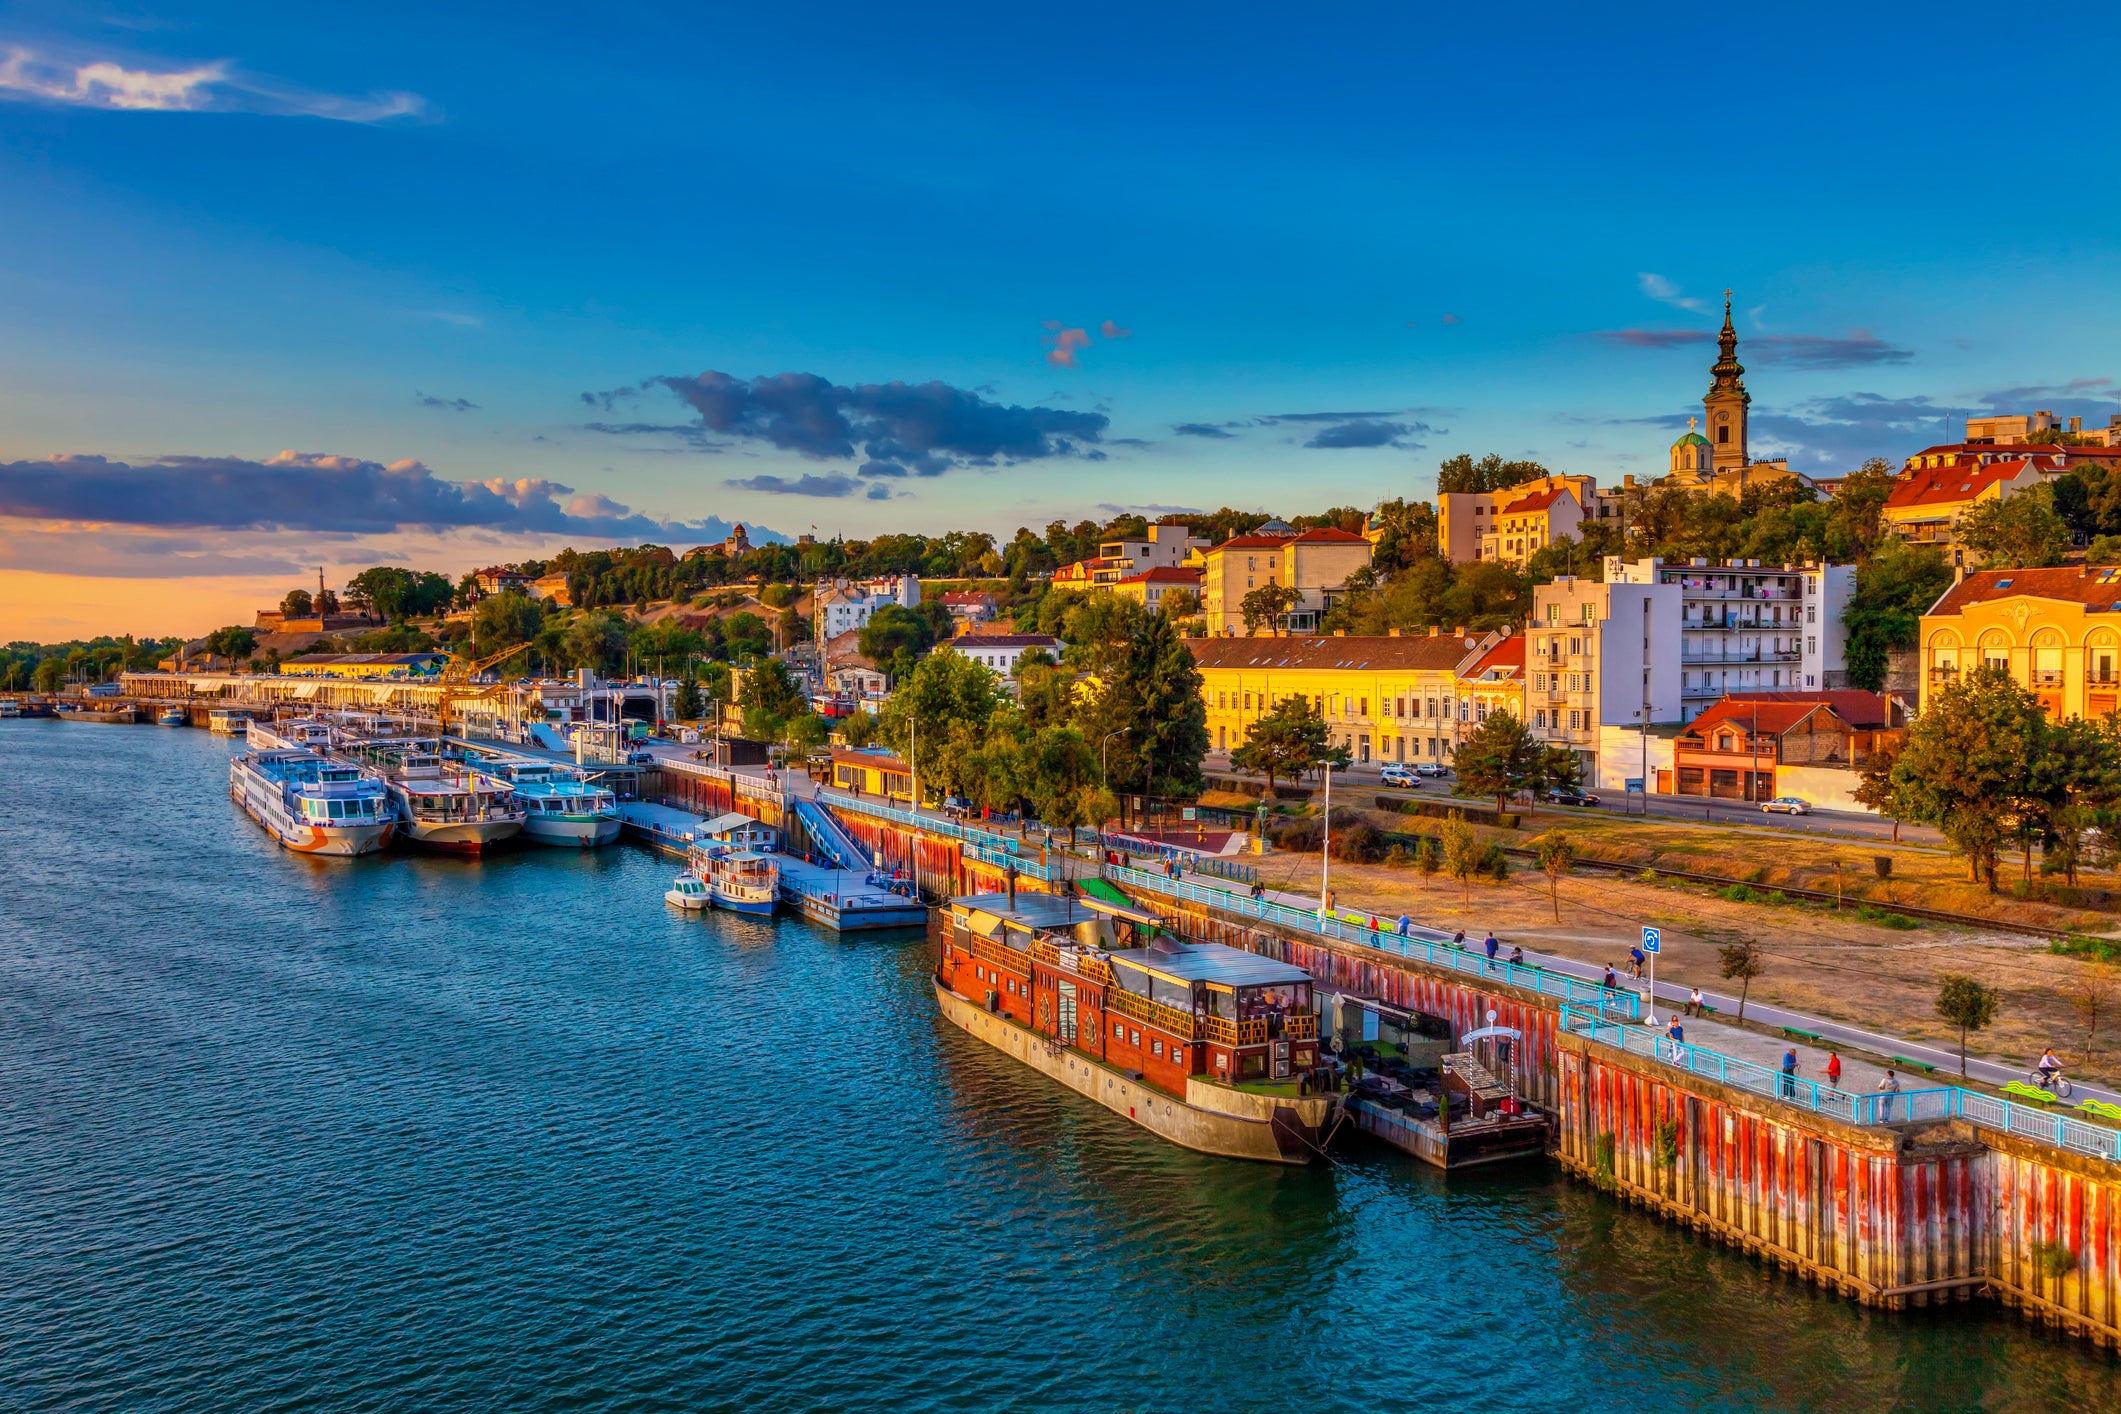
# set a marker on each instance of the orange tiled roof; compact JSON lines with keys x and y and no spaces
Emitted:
{"x":1537,"y":501}
{"x":2098,"y":590}
{"x":1950,"y":485}
{"x":1325,"y":535}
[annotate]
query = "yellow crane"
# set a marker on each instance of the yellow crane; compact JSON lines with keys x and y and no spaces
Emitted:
{"x":457,"y":686}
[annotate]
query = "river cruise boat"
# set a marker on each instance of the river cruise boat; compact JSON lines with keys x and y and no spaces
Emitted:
{"x":441,"y":805}
{"x":126,"y":715}
{"x":312,"y":804}
{"x":1210,"y":1047}
{"x":227,"y":721}
{"x":688,"y":892}
{"x":740,"y":880}
{"x":559,"y":806}
{"x":288,"y":734}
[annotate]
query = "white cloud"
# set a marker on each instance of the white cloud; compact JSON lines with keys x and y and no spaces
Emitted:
{"x":1665,"y":292}
{"x":213,"y":87}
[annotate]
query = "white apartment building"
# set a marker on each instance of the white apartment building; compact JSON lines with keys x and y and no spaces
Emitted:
{"x":1599,"y":656}
{"x":1748,"y":627}
{"x":842,"y":605}
{"x":1166,"y":548}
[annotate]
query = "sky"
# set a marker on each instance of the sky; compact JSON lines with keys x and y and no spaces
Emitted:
{"x":284,"y":287}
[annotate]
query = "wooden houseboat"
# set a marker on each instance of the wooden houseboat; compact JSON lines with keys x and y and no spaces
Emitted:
{"x":1211,"y":1047}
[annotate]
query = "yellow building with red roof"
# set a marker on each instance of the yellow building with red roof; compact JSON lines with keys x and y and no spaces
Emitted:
{"x":2056,"y":631}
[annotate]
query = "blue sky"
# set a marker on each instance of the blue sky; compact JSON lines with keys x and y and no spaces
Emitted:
{"x":420,"y":235}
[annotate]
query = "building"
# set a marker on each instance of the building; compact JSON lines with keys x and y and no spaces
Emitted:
{"x":553,"y":587}
{"x":1467,"y":521}
{"x":1000,"y":651}
{"x":1401,"y":697}
{"x":1494,"y":680}
{"x":363,"y":665}
{"x":1525,"y":526}
{"x":2038,"y":430}
{"x":1166,"y":548}
{"x":872,"y":771}
{"x":1149,"y":587}
{"x":1719,"y":456}
{"x":844,"y":606}
{"x":2056,"y":631}
{"x":738,"y":542}
{"x":495,"y":580}
{"x":1601,"y":655}
{"x":1315,"y":563}
{"x":1927,"y":504}
{"x":1759,"y":746}
{"x":1079,"y":574}
{"x":1748,"y":627}
{"x":969,"y":606}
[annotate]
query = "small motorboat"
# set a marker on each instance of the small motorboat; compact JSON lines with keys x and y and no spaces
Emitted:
{"x":688,"y":892}
{"x":172,"y":717}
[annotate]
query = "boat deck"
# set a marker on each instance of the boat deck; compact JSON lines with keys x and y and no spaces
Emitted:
{"x":841,"y":899}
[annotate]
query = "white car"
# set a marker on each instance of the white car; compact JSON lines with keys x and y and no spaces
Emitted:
{"x":1432,"y":768}
{"x":1395,"y":774}
{"x":1788,"y":805}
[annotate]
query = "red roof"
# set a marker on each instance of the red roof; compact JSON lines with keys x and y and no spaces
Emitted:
{"x":1537,"y":501}
{"x":1852,"y":705}
{"x":1164,"y":574}
{"x":1506,"y":658}
{"x":2098,"y":590}
{"x":1767,"y":718}
{"x":1006,"y":640}
{"x":968,"y":596}
{"x":1949,"y":485}
{"x":1325,"y":535}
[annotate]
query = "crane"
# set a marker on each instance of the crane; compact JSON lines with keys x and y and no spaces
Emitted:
{"x":457,"y":686}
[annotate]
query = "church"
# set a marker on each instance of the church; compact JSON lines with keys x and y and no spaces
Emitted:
{"x":1719,"y":460}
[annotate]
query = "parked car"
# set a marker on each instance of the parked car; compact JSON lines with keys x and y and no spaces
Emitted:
{"x":956,"y":807}
{"x":1571,"y":797}
{"x":1395,"y":774}
{"x":1434,"y":769}
{"x":1788,"y":805}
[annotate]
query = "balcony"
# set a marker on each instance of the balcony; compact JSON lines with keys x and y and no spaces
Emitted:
{"x":2047,"y":677}
{"x":1165,"y":1018}
{"x":1942,"y":676}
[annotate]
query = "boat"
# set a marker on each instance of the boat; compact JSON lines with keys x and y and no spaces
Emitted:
{"x":9,"y":707}
{"x":227,"y":721}
{"x":441,"y":805}
{"x":312,"y":804}
{"x":172,"y":717}
{"x":107,"y":716}
{"x":289,"y":733}
{"x":560,"y":807}
{"x":740,"y":880}
{"x":1207,"y":1046}
{"x":687,"y":891}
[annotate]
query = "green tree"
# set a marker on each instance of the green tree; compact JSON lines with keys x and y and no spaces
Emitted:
{"x":1967,"y":760}
{"x":1428,"y":858}
{"x":296,"y":604}
{"x":1286,"y":742}
{"x":1895,"y":587}
{"x":1874,"y":784}
{"x":745,"y":636}
{"x":1179,"y":604}
{"x":504,"y":620}
{"x":596,"y":640}
{"x":234,"y":643}
{"x":770,"y":688}
{"x":1461,"y":851}
{"x":1557,"y":853}
{"x":50,"y":675}
{"x":1855,"y":525}
{"x":1741,"y":962}
{"x":1498,"y":759}
{"x":688,"y":705}
{"x":2022,"y":532}
{"x":1155,"y":700}
{"x":893,"y":629}
{"x":1491,"y":473}
{"x":937,"y":713}
{"x":1268,"y":606}
{"x":1967,"y":1003}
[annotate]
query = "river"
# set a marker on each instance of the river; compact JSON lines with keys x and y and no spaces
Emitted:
{"x":416,"y":1133}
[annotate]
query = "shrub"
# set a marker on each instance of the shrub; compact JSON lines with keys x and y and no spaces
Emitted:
{"x":2090,"y":949}
{"x":1359,"y":842}
{"x":1882,"y":865}
{"x":1741,"y":893}
{"x":1494,"y":863}
{"x":1885,"y":919}
{"x":1297,"y":832}
{"x":1647,"y":876}
{"x":1397,"y":857}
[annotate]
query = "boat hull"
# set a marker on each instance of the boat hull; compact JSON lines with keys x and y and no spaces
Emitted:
{"x":691,"y":903}
{"x":261,"y":799}
{"x":459,"y":836}
{"x":1294,"y":1138}
{"x":756,"y":907}
{"x":570,"y":834}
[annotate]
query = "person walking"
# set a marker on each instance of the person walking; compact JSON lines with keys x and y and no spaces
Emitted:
{"x":1676,"y":1034}
{"x":1789,"y":1074}
{"x":1612,"y":979}
{"x":1833,"y":1069}
{"x":1693,"y":1002}
{"x":1492,"y":946}
{"x":1887,"y":1088}
{"x":1405,"y":923}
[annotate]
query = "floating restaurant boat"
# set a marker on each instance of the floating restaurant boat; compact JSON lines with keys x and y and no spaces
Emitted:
{"x":686,"y":892}
{"x":560,"y":807}
{"x":312,"y":804}
{"x":441,"y":805}
{"x":740,"y":880}
{"x":1208,"y":1046}
{"x":227,"y":721}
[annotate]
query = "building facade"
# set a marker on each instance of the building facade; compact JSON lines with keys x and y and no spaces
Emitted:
{"x":1000,"y":651}
{"x":1598,"y":656}
{"x":1525,"y":526}
{"x":2056,"y":631}
{"x":1748,"y":627}
{"x":1150,"y":586}
{"x":847,"y":605}
{"x":1402,"y":697}
{"x":1315,"y":563}
{"x":1468,"y":521}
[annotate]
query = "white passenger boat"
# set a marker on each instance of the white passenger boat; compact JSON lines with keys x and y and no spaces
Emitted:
{"x":740,"y":880}
{"x":227,"y":721}
{"x":9,"y":707}
{"x":441,"y":805}
{"x":311,"y":804}
{"x":288,"y":734}
{"x":559,"y":806}
{"x":686,"y":892}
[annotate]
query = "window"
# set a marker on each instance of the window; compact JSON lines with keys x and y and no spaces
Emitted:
{"x":1540,"y":718}
{"x":1811,"y":613}
{"x":1119,"y":1032}
{"x":1575,"y":720}
{"x":1401,"y":705}
{"x":1811,"y":643}
{"x":1366,"y":707}
{"x":1134,"y":1038}
{"x":1156,"y":1047}
{"x":1723,"y":434}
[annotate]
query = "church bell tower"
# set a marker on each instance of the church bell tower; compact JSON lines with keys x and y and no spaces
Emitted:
{"x":1725,"y":405}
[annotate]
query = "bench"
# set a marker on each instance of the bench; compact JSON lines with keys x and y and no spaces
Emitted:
{"x":1796,"y":1035}
{"x":2100,"y":1109}
{"x":1905,"y":1064}
{"x":2023,"y":1091}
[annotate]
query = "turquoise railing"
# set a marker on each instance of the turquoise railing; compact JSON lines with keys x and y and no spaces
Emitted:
{"x":1001,"y":851}
{"x":2062,"y":1131}
{"x":1418,"y":944}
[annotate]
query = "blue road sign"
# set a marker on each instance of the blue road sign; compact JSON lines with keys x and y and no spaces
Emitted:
{"x":1650,"y":939}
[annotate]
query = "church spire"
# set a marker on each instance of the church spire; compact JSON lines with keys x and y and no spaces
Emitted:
{"x":1728,"y":372}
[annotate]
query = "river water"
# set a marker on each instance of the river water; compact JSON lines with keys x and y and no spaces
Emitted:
{"x":412,"y":1133}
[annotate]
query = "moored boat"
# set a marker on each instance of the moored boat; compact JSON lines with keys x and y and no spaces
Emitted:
{"x":106,"y":716}
{"x":1210,"y":1047}
{"x":687,"y":891}
{"x":311,"y":804}
{"x":227,"y":721}
{"x":740,"y":880}
{"x":559,"y":806}
{"x":441,"y":805}
{"x":172,"y":717}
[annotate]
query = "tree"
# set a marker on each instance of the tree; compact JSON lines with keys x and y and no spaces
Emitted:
{"x":1498,"y":758}
{"x":234,"y":643}
{"x":892,"y":629}
{"x":2022,"y":532}
{"x":1287,"y":741}
{"x":1874,"y":784}
{"x":1155,"y":701}
{"x":504,"y":620}
{"x":1855,"y":524}
{"x":2091,"y":997}
{"x":596,"y":640}
{"x":296,"y":604}
{"x":1557,"y":851}
{"x":1268,"y":606}
{"x":1179,"y":604}
{"x":770,"y":688}
{"x":1461,"y":851}
{"x":49,"y":675}
{"x":688,"y":705}
{"x":1967,"y":1003}
{"x":1894,"y":588}
{"x":1428,"y":858}
{"x":939,"y":710}
{"x":1967,"y":759}
{"x":1741,"y":961}
{"x":1490,"y":473}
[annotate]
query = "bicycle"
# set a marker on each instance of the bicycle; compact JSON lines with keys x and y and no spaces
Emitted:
{"x":2061,"y":1089}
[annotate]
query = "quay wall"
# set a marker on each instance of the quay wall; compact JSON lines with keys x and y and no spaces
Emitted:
{"x":1889,"y":1215}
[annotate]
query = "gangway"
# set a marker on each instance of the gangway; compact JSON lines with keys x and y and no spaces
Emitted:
{"x":829,"y":837}
{"x":543,"y":735}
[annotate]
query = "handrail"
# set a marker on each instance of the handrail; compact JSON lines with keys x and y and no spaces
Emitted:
{"x":1429,"y":945}
{"x":1903,"y":1107}
{"x":1141,"y":1008}
{"x":983,"y":845}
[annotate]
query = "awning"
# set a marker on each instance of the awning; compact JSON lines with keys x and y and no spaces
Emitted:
{"x":307,"y":689}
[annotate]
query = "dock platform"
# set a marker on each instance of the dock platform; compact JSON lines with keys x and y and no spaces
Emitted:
{"x":844,"y":900}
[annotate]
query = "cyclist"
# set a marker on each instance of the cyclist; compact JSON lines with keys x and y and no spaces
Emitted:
{"x":2048,"y":1069}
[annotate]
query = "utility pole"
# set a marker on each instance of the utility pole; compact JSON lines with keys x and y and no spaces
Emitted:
{"x":1325,"y":848}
